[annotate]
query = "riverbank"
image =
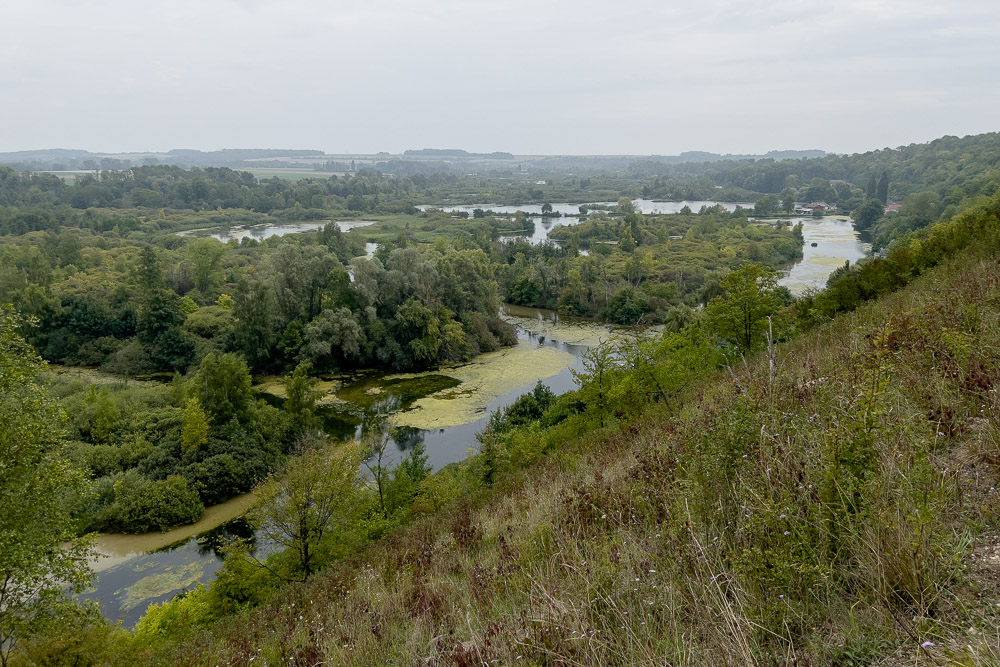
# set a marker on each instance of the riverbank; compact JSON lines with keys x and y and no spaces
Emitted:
{"x":115,"y":548}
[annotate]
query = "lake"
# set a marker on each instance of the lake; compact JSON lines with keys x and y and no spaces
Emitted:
{"x":269,"y":229}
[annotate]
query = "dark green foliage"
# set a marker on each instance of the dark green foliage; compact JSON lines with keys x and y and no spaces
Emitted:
{"x":677,"y":257}
{"x":741,"y":315}
{"x":403,"y":485}
{"x":626,"y":307}
{"x":882,"y":190}
{"x":222,"y":384}
{"x":866,"y":215}
{"x":134,"y":504}
{"x":39,"y":559}
{"x":525,"y":409}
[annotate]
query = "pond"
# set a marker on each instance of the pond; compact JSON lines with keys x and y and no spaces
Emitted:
{"x":269,"y":229}
{"x":829,"y":242}
{"x":443,"y":409}
{"x":570,"y":213}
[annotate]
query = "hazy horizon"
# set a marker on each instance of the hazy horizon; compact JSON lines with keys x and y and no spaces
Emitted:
{"x":557,"y":78}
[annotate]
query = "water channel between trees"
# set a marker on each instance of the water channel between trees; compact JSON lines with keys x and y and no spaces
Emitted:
{"x":569,"y":214}
{"x":443,"y":409}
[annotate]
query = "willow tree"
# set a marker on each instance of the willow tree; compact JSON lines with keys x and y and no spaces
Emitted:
{"x":39,"y":559}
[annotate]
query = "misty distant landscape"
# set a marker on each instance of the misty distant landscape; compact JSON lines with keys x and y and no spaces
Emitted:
{"x":580,"y":335}
{"x":420,"y":160}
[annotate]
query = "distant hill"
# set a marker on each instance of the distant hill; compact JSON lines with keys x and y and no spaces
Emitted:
{"x":455,"y":153}
{"x":62,"y":159}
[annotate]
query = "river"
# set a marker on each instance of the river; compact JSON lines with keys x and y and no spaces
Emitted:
{"x":829,"y":242}
{"x":443,"y":409}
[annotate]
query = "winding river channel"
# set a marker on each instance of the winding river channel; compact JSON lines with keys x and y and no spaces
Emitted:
{"x":444,"y":409}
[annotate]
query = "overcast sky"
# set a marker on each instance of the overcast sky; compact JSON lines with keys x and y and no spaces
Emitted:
{"x":556,"y":76}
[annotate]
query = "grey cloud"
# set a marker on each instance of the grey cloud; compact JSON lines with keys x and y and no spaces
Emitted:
{"x":557,"y":76}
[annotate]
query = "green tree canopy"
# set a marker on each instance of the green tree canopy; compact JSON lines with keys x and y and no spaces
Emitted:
{"x":37,"y":487}
{"x":866,"y":215}
{"x":319,"y":493}
{"x":222,"y":385}
{"x":739,"y":315}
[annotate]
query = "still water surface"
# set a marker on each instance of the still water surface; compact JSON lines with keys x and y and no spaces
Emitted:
{"x":269,"y":229}
{"x":131,"y":576}
{"x":835,"y":242}
{"x":138,"y":570}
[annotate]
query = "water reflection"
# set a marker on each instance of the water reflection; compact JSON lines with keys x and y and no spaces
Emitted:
{"x":572,"y":214}
{"x":214,"y":542}
{"x":124,"y":590}
{"x":829,"y":242}
{"x":267,"y":230}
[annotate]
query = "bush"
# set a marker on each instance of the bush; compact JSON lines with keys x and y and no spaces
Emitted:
{"x":140,"y":505}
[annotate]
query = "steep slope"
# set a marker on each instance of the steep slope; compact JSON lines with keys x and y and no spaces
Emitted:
{"x":834,"y":503}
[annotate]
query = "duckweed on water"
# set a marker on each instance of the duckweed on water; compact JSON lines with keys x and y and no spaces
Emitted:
{"x":275,"y":386}
{"x":399,"y":390}
{"x":378,"y":394}
{"x":483,"y":379}
{"x":573,"y":331}
{"x":158,"y":585}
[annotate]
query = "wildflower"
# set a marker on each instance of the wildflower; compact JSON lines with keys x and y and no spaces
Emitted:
{"x":927,"y":644}
{"x":782,"y":516}
{"x":787,"y":533}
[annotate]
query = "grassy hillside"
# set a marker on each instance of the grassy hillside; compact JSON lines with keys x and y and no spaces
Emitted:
{"x":834,"y":503}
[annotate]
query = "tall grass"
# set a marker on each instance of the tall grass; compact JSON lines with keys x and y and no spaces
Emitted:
{"x":821,"y":507}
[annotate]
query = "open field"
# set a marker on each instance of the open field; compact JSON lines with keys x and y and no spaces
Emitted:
{"x":291,"y":174}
